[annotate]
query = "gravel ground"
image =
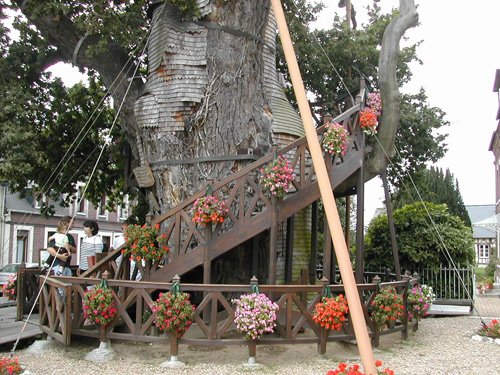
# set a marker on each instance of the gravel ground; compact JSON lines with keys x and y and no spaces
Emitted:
{"x":440,"y":346}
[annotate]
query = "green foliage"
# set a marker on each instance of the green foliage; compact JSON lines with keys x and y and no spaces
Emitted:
{"x":419,"y":139}
{"x":433,"y":186}
{"x":425,"y":232}
{"x":490,"y":268}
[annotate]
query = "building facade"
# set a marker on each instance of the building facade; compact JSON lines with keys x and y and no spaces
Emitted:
{"x":24,"y":231}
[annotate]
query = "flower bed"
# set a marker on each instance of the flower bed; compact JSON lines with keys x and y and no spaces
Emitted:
{"x":174,"y":313}
{"x":345,"y":369}
{"x":144,"y":242}
{"x":10,"y":366}
{"x":254,"y":315}
{"x":491,"y":330}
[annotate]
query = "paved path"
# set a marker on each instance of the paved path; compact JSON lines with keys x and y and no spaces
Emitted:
{"x":487,"y":306}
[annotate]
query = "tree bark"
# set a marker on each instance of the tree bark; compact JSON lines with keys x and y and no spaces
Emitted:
{"x":389,"y":89}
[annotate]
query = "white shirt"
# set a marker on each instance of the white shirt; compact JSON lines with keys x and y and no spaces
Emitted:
{"x":90,"y":246}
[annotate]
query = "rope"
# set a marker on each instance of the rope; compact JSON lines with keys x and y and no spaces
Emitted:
{"x":443,"y":247}
{"x":89,"y":179}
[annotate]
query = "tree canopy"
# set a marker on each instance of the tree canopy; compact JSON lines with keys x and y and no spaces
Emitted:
{"x":45,"y":123}
{"x":427,"y":235}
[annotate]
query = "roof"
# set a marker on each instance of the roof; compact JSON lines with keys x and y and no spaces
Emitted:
{"x":13,"y":202}
{"x":484,"y":220}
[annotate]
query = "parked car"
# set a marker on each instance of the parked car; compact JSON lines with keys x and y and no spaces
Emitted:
{"x":10,"y":269}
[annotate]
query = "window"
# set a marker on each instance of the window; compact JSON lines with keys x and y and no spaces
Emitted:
{"x":40,"y":200}
{"x":484,"y":250}
{"x":102,"y":206}
{"x":80,"y":201}
{"x":22,"y":246}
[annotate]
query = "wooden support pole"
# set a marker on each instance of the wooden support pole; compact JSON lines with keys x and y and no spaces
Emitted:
{"x":273,"y":243}
{"x":289,"y":249}
{"x":313,"y":262}
{"x":392,"y":229}
{"x":325,"y":188}
{"x":360,"y":227}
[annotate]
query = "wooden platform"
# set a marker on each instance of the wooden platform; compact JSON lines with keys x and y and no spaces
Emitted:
{"x":449,"y":310}
{"x":10,"y":329}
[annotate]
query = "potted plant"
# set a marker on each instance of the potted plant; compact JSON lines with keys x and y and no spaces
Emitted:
{"x":143,"y":242}
{"x":331,"y":312}
{"x":10,"y":289}
{"x":254,"y":315}
{"x":99,"y":305}
{"x":335,"y":139}
{"x":387,"y":307}
{"x":277,"y":176}
{"x":174,"y":313}
{"x":209,"y":210}
{"x":420,"y":299}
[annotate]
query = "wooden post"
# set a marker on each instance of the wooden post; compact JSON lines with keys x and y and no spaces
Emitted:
{"x":347,"y":231}
{"x":323,"y":333}
{"x":404,"y":332}
{"x":174,"y":345}
{"x":273,"y":241}
{"x":360,"y":224}
{"x":252,"y":351}
{"x":207,"y":269}
{"x":376,"y":332}
{"x":20,"y":292}
{"x":289,"y":249}
{"x":325,"y":188}
{"x":313,"y":261}
{"x":392,"y":229}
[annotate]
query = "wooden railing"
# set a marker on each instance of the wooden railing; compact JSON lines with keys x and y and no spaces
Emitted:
{"x":61,"y":312}
{"x":249,"y":206}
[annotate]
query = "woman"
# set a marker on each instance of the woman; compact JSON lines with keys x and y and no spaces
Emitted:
{"x":91,"y":244}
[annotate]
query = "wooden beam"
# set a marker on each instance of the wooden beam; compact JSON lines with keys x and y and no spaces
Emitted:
{"x":332,"y":215}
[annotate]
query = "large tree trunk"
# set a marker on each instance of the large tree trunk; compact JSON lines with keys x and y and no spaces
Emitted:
{"x":205,"y":105}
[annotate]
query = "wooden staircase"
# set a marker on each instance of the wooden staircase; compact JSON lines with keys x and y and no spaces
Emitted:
{"x":251,"y":210}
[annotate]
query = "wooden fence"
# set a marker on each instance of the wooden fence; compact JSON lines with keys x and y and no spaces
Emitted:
{"x":214,"y":315}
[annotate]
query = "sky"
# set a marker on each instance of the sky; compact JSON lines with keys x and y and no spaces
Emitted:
{"x":460,"y":55}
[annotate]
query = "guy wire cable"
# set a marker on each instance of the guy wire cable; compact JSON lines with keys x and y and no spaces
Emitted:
{"x":87,"y":126}
{"x":443,"y":247}
{"x":326,"y":55}
{"x":85,"y":189}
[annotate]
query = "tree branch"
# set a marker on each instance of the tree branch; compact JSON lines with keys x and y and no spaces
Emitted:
{"x":389,"y":90}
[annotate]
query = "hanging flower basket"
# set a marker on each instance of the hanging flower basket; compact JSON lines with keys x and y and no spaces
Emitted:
{"x":99,"y":305}
{"x":374,"y":102}
{"x":10,"y":289}
{"x":277,"y":176}
{"x":174,"y":313}
{"x":387,"y":307}
{"x":254,"y":315}
{"x":143,"y":242}
{"x":335,"y":139}
{"x":209,"y":210}
{"x":368,"y":121}
{"x":419,"y":302}
{"x":331,"y":312}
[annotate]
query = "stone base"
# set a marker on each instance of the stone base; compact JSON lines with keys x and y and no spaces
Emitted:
{"x":102,"y":354}
{"x":173,"y":363}
{"x":42,"y":346}
{"x":252,"y":363}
